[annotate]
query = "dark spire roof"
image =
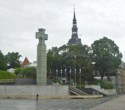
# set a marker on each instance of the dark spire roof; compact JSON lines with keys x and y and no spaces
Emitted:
{"x":74,"y":38}
{"x":74,"y":18}
{"x":74,"y":28}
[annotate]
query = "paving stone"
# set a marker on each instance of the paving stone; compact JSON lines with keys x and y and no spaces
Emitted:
{"x":64,"y":104}
{"x":115,"y":104}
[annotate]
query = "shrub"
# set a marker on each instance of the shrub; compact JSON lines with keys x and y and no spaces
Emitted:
{"x":106,"y":85}
{"x":103,"y":84}
{"x":18,"y":71}
{"x":29,"y":72}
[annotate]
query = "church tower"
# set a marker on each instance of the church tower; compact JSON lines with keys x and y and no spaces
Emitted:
{"x":74,"y":38}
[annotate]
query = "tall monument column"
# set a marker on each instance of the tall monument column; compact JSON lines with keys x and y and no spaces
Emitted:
{"x":41,"y":57}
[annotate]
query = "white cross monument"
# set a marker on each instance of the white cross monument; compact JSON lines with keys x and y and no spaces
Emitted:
{"x":41,"y":57}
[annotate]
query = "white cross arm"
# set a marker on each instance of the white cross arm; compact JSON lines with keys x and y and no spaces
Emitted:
{"x":41,"y":34}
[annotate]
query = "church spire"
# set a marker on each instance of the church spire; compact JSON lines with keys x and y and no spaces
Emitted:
{"x":74,"y":18}
{"x":74,"y":28}
{"x":74,"y":37}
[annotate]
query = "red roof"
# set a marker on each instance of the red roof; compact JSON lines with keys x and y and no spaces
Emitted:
{"x":25,"y":62}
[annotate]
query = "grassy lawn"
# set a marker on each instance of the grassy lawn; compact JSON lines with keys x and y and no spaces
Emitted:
{"x":7,"y":76}
{"x":6,"y":80}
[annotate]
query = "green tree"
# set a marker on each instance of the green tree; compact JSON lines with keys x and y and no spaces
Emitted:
{"x":79,"y":57}
{"x":13,"y":59}
{"x":71,"y":57}
{"x":3,"y":64}
{"x":51,"y":58}
{"x":107,"y":56}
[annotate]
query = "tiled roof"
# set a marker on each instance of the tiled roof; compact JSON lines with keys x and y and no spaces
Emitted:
{"x":25,"y":62}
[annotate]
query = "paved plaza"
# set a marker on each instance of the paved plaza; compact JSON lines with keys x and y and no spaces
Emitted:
{"x":115,"y":104}
{"x":62,"y":104}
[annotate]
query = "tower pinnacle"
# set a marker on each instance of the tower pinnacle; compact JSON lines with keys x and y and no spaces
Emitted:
{"x":74,"y":18}
{"x":74,"y":38}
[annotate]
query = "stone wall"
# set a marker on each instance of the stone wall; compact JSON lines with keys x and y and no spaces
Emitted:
{"x":25,"y":81}
{"x":32,"y":90}
{"x":104,"y":91}
{"x":121,"y":80}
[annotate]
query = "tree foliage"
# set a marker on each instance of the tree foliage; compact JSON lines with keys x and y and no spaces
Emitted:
{"x":2,"y":62}
{"x":29,"y":72}
{"x":107,"y":56}
{"x":71,"y":58}
{"x":13,"y":59}
{"x":104,"y":52}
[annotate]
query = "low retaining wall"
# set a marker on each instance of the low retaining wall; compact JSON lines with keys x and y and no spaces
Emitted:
{"x":25,"y":81}
{"x":32,"y":90}
{"x":104,"y":91}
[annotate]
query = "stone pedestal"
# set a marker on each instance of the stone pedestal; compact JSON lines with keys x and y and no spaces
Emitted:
{"x":41,"y":58}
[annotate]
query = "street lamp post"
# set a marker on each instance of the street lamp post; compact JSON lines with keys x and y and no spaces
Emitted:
{"x":75,"y":77}
{"x":93,"y":63}
{"x":93,"y":69}
{"x":80,"y":76}
{"x":56,"y":74}
{"x":65,"y":73}
{"x":70,"y":77}
{"x":75,"y":71}
{"x":65,"y":76}
{"x":61,"y":75}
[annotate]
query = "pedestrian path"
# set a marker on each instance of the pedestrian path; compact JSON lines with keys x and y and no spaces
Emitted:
{"x":115,"y":104}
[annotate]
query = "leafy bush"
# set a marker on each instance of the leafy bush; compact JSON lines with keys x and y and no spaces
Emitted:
{"x":106,"y":85}
{"x":6,"y":75}
{"x":29,"y":72}
{"x":18,"y":71}
{"x":103,"y":84}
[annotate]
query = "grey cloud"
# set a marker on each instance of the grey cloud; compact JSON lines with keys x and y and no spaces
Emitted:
{"x":20,"y":19}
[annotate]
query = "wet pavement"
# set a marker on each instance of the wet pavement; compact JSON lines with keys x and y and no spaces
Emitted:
{"x":52,"y":104}
{"x":115,"y":104}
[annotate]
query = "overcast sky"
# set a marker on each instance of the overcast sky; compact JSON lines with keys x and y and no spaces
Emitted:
{"x":20,"y":19}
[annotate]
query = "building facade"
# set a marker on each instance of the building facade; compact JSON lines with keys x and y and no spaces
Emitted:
{"x":120,"y":79}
